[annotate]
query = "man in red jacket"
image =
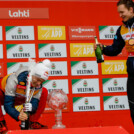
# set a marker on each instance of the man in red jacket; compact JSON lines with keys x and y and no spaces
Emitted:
{"x":13,"y":94}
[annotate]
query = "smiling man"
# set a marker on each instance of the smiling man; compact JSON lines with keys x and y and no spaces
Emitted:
{"x":13,"y":94}
{"x":125,"y":38}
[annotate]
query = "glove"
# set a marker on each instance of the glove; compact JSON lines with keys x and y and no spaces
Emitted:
{"x":27,"y":107}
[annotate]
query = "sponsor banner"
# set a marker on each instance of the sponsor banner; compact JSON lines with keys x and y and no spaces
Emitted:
{"x":19,"y":33}
{"x":1,"y":51}
{"x":107,"y":32}
{"x":1,"y":70}
{"x":52,"y":50}
{"x":81,"y":32}
{"x":51,"y":33}
{"x":114,"y":85}
{"x":84,"y":68}
{"x":115,"y":103}
{"x":80,"y":86}
{"x":114,"y":67}
{"x":86,"y":104}
{"x":122,"y":54}
{"x":59,"y":69}
{"x":1,"y":36}
{"x":14,"y":66}
{"x":82,"y":50}
{"x":24,"y":13}
{"x":56,"y":84}
{"x":16,"y":51}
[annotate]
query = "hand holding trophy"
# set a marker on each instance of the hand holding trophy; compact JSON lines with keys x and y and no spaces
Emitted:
{"x":25,"y":124}
{"x":57,"y":100}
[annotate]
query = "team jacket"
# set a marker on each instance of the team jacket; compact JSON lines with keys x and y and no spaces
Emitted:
{"x":14,"y":86}
{"x":120,"y":40}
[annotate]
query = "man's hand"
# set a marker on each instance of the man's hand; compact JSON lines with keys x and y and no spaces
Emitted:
{"x":95,"y":46}
{"x":27,"y":107}
{"x":23,"y":116}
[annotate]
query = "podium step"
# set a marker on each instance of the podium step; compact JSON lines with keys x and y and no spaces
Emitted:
{"x":87,"y":130}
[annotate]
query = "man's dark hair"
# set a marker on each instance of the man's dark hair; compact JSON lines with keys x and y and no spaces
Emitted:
{"x":127,"y":3}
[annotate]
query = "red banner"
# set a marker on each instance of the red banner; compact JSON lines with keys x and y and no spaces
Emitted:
{"x":24,"y":13}
{"x":81,"y":32}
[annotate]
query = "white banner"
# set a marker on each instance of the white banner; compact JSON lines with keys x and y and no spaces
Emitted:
{"x":115,"y":103}
{"x":80,"y":86}
{"x":1,"y":36}
{"x":19,"y":33}
{"x":56,"y":84}
{"x":1,"y":51}
{"x":84,"y":68}
{"x":59,"y":69}
{"x":114,"y":85}
{"x":14,"y":66}
{"x":16,"y":51}
{"x":52,"y":50}
{"x":107,"y":32}
{"x":86,"y":104}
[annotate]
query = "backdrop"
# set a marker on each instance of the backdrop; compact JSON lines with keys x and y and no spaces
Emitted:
{"x":63,"y":32}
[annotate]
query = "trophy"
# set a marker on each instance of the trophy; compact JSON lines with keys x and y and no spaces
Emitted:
{"x":57,"y":100}
{"x":25,"y":124}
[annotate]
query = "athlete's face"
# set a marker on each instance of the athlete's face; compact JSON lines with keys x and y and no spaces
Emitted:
{"x":124,"y":13}
{"x":37,"y":82}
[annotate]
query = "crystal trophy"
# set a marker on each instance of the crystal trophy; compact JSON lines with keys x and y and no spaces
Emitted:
{"x":57,"y":100}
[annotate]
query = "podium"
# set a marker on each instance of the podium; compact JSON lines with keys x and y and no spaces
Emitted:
{"x":87,"y":130}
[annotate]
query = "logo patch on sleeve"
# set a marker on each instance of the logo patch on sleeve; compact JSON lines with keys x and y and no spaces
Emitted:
{"x":115,"y":37}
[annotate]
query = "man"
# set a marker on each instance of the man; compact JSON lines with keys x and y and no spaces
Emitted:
{"x":125,"y":37}
{"x":13,"y":94}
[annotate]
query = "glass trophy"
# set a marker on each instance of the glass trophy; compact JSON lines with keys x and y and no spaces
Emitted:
{"x":57,"y":100}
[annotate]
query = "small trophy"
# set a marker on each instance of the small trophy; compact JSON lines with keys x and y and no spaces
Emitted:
{"x":57,"y":100}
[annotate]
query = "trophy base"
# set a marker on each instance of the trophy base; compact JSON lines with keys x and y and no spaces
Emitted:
{"x":60,"y":126}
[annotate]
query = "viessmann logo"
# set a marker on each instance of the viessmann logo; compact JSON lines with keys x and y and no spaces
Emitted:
{"x":80,"y":30}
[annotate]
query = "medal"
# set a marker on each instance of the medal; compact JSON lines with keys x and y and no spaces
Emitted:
{"x":131,"y":42}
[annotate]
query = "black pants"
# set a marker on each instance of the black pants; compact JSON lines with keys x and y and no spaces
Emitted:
{"x":130,"y":94}
{"x":130,"y":85}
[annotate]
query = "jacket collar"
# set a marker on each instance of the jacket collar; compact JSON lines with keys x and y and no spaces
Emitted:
{"x":129,"y":23}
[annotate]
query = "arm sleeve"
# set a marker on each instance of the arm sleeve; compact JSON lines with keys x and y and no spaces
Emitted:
{"x":10,"y":97}
{"x":116,"y":47}
{"x":9,"y":107}
{"x":34,"y":103}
